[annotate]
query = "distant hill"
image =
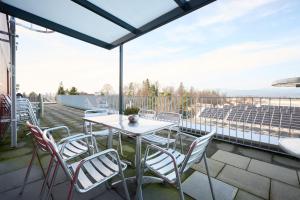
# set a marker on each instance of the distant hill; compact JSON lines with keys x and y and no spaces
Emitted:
{"x":268,"y":92}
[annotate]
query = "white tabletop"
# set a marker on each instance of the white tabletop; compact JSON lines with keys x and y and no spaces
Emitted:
{"x":121,"y":122}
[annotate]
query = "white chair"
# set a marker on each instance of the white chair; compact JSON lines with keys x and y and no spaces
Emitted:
{"x":87,"y":173}
{"x":170,"y":164}
{"x":147,"y":114}
{"x":162,"y":141}
{"x":88,"y":127}
{"x":68,"y":151}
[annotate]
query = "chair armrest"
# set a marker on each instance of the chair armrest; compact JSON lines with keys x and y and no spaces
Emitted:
{"x":70,"y":137}
{"x":159,"y":149}
{"x":175,"y":126}
{"x":49,"y":130}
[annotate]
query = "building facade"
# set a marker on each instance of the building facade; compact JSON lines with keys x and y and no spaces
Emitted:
{"x":5,"y":77}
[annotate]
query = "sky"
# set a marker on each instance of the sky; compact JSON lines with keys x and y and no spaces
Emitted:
{"x":228,"y":44}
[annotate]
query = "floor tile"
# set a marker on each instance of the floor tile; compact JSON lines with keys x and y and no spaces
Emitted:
{"x":231,"y":159}
{"x":31,"y":192}
{"x":214,"y":167}
{"x":274,"y":171}
{"x":282,"y":191}
{"x":245,"y":180}
{"x":242,"y":195}
{"x":15,"y":179}
{"x":197,"y":186}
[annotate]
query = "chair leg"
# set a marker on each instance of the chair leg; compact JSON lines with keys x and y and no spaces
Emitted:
{"x":120,"y":144}
{"x":40,"y":163}
{"x":181,"y":195}
{"x":125,"y":185}
{"x":46,"y":178}
{"x":209,"y":179}
{"x":180,"y":137}
{"x":95,"y":144}
{"x":52,"y":180}
{"x":71,"y":189}
{"x":28,"y":170}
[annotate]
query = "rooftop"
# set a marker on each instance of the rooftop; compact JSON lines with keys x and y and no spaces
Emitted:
{"x":239,"y":172}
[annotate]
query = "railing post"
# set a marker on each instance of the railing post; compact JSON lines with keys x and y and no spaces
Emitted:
{"x":41,"y":100}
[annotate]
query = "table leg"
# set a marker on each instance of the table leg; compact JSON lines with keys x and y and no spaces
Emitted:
{"x":110,"y":138}
{"x":139,"y":194}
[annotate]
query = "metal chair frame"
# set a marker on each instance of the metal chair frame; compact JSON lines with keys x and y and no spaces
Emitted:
{"x":88,"y":128}
{"x":39,"y":144}
{"x":147,"y":114}
{"x":26,"y":111}
{"x":76,"y":176}
{"x":159,"y":140}
{"x":170,"y":164}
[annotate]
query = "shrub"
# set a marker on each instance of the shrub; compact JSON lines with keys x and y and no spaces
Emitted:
{"x":131,"y":111}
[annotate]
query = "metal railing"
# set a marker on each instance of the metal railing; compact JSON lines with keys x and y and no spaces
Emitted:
{"x":252,"y":121}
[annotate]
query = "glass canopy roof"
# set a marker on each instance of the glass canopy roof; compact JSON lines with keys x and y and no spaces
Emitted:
{"x":105,"y":23}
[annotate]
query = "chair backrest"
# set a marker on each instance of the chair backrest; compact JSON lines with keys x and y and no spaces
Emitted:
{"x":94,"y":113}
{"x":54,"y":151}
{"x":169,"y":116}
{"x":37,"y":136}
{"x":25,"y":111}
{"x":148,"y":114}
{"x":196,"y":151}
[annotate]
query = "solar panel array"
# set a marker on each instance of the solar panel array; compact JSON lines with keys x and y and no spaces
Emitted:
{"x":267,"y":115}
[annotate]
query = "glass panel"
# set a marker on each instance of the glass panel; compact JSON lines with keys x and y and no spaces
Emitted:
{"x":71,"y":15}
{"x":136,"y":12}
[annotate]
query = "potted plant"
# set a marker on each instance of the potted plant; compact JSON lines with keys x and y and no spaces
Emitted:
{"x":132,"y":113}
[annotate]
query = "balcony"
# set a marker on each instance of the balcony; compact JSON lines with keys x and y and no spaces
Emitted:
{"x":240,"y":170}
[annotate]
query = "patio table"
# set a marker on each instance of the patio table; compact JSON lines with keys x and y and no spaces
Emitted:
{"x":139,"y":129}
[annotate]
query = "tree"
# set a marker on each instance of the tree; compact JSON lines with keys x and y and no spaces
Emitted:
{"x":73,"y":91}
{"x":192,"y":92}
{"x":61,"y":90}
{"x":168,"y":91}
{"x":146,"y":87}
{"x":106,"y":89}
{"x":33,"y":96}
{"x":181,"y":90}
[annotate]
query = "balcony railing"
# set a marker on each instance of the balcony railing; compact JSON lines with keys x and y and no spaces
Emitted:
{"x":253,"y":121}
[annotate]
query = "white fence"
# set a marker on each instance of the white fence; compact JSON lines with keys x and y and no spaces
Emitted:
{"x":86,"y":102}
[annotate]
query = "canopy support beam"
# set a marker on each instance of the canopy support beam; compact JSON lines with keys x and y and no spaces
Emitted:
{"x":12,"y":26}
{"x":121,"y":98}
{"x":99,"y":11}
{"x":182,"y":4}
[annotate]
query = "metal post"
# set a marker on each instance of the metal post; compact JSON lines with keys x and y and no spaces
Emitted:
{"x":13,"y":82}
{"x":121,"y":98}
{"x":41,"y":105}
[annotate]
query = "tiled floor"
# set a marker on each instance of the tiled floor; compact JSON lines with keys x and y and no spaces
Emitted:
{"x":254,"y":178}
{"x":256,"y":174}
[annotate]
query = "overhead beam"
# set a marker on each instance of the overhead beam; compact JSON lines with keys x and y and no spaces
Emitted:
{"x":163,"y":19}
{"x":184,"y":5}
{"x":99,"y":11}
{"x":16,"y":12}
